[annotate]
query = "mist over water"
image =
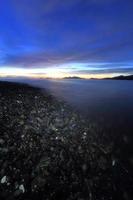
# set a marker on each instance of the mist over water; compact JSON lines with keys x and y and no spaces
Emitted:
{"x":107,"y":100}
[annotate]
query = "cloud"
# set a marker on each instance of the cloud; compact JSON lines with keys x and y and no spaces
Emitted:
{"x":106,"y":71}
{"x":104,"y":53}
{"x":46,"y":33}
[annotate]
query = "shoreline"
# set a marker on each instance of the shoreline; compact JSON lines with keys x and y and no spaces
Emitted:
{"x":47,"y":151}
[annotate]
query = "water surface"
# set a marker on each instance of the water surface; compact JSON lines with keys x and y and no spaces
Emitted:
{"x":110,"y":101}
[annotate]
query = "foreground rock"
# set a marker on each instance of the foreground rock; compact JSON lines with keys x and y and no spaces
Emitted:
{"x":48,"y":152}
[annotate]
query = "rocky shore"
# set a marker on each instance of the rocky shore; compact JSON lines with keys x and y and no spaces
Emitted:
{"x":49,"y":152}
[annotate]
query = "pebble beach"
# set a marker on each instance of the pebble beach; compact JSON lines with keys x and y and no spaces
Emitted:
{"x":49,"y":152}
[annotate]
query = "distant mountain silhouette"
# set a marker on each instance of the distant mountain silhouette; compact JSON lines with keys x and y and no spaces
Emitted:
{"x":130,"y":77}
{"x":72,"y":77}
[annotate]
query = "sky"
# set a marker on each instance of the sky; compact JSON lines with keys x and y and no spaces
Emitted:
{"x":54,"y":38}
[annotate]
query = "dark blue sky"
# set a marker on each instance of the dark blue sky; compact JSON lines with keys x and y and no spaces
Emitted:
{"x":75,"y":36}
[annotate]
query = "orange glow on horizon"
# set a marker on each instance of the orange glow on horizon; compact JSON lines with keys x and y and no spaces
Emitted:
{"x":54,"y":73}
{"x":60,"y":76}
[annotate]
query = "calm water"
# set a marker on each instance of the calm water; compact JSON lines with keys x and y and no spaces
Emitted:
{"x":96,"y":99}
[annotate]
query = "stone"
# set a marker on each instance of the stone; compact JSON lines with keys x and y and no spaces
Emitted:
{"x":21,"y":187}
{"x":2,"y":141}
{"x":84,"y":167}
{"x":4,"y":180}
{"x":113,"y":163}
